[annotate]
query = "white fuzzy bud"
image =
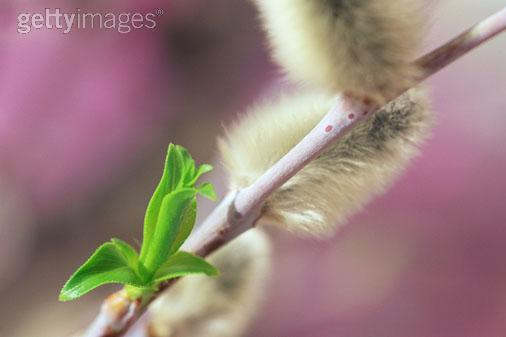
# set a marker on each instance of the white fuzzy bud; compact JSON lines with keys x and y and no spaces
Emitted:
{"x":222,"y":306}
{"x":341,"y":180}
{"x":365,"y":48}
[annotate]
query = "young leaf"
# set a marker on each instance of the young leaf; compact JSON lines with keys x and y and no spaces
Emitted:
{"x":186,"y":227}
{"x":188,"y":166}
{"x":171,"y":175}
{"x":106,"y":265}
{"x":202,"y":170}
{"x":170,"y":223}
{"x":128,"y":252}
{"x":179,"y":172}
{"x":207,"y":190}
{"x":183,"y":263}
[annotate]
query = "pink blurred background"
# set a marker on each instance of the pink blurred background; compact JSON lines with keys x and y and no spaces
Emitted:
{"x":84,"y":122}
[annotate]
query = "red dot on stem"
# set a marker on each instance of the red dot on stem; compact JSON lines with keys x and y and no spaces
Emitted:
{"x":351,"y":116}
{"x":328,"y":128}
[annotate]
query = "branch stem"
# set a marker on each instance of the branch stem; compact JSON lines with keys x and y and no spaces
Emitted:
{"x":238,"y":211}
{"x":465,"y":42}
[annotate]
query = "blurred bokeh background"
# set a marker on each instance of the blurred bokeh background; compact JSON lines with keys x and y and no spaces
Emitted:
{"x":85,"y":119}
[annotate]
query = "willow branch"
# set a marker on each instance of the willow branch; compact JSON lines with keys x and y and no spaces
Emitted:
{"x":468,"y":40}
{"x":238,"y":211}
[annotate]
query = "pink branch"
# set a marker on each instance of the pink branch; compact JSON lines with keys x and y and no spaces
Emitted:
{"x":343,"y":116}
{"x":338,"y":122}
{"x":468,"y":40}
{"x":239,"y":211}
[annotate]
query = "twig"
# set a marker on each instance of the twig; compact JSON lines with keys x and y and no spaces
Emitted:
{"x":238,"y":211}
{"x":468,"y":40}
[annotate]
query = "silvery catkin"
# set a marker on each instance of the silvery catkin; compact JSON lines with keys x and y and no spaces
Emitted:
{"x":342,"y":179}
{"x":364,"y":48}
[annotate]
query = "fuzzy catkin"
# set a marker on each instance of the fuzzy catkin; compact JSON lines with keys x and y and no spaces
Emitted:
{"x":364,"y":48}
{"x":342,"y":179}
{"x":221,"y":306}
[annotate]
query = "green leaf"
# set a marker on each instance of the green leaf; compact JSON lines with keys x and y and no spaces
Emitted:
{"x":179,"y":172}
{"x":183,"y":263}
{"x":171,"y":175}
{"x":188,"y":166}
{"x":205,"y":168}
{"x":106,"y":265}
{"x":172,"y":220}
{"x":128,"y":252}
{"x":207,"y":190}
{"x":169,"y":220}
{"x":186,"y":227}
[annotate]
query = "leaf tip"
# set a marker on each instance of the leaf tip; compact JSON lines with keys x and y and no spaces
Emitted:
{"x":214,"y":272}
{"x":207,"y":190}
{"x":65,"y":296}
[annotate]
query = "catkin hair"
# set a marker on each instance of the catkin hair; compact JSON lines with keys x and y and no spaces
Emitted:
{"x":365,"y":48}
{"x":222,"y":306}
{"x":342,"y":179}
